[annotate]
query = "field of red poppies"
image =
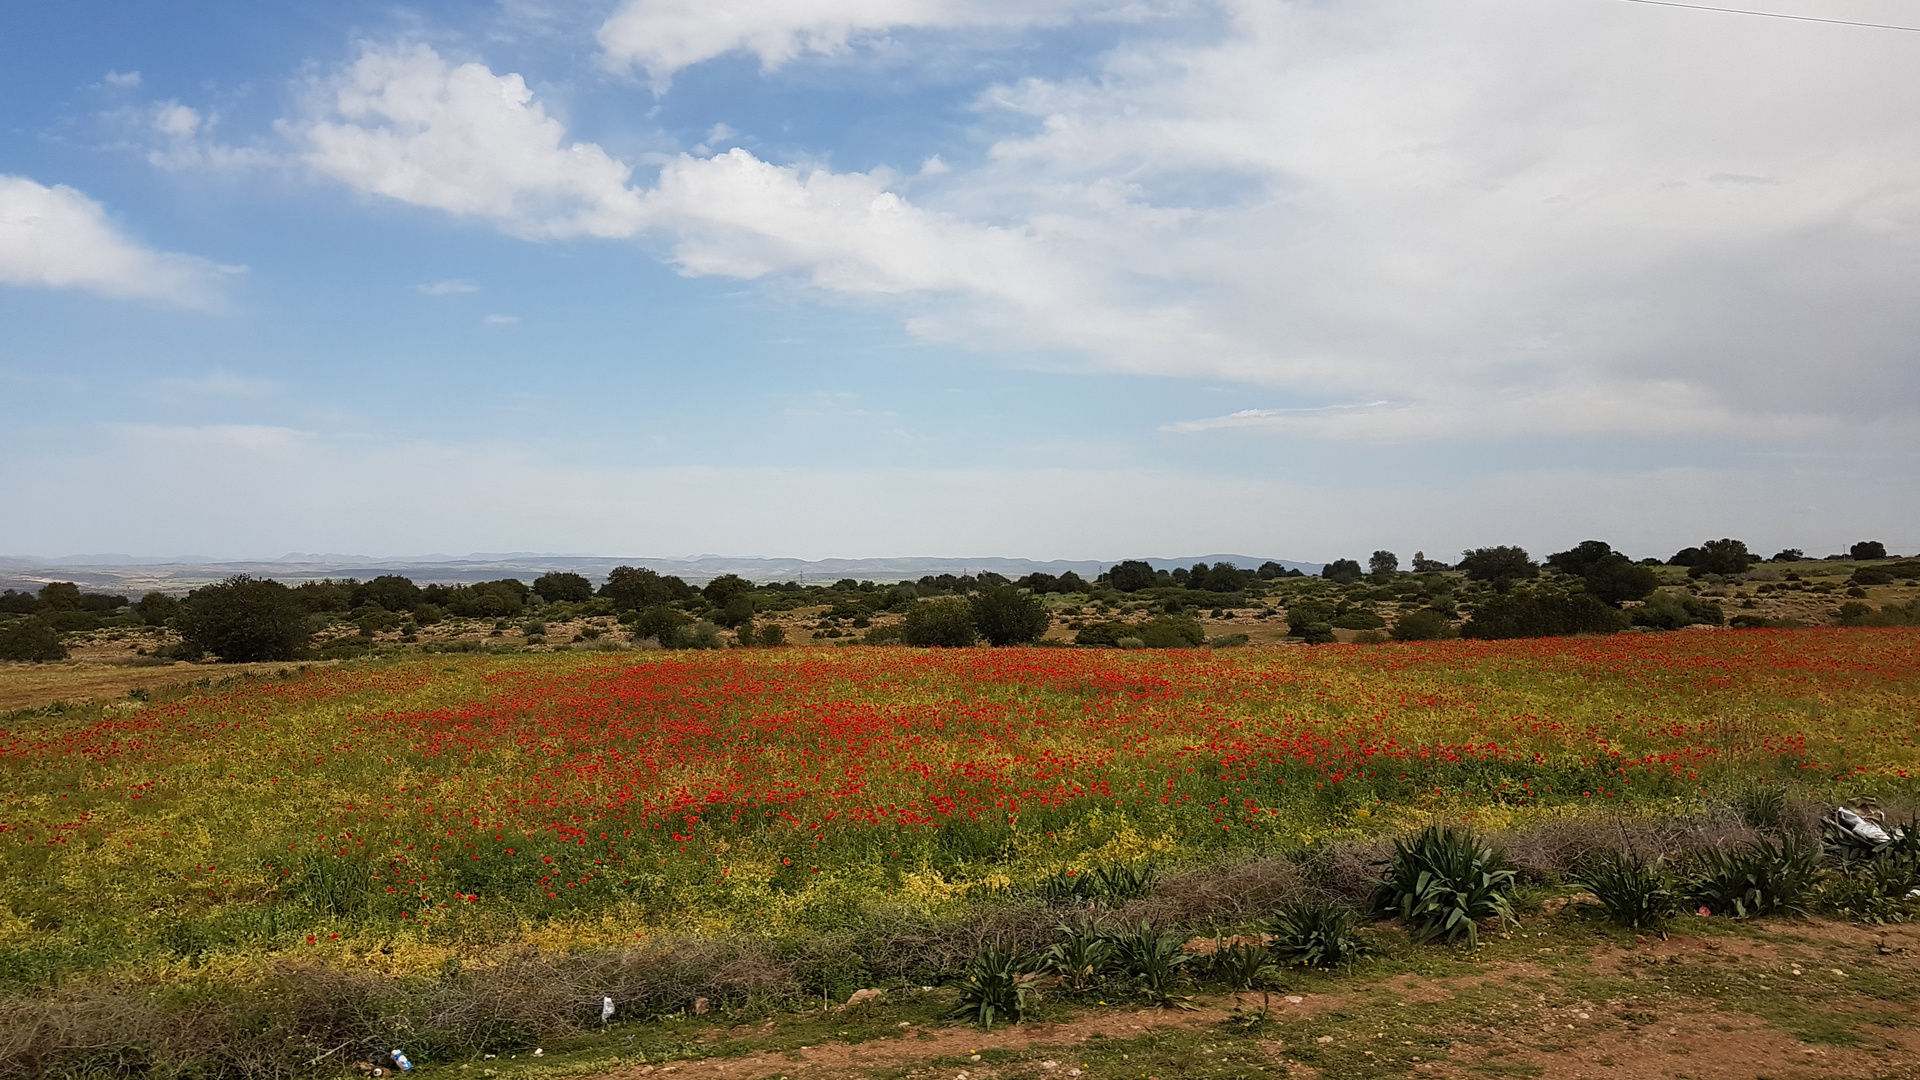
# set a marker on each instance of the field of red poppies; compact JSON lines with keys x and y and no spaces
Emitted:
{"x":420,"y":809}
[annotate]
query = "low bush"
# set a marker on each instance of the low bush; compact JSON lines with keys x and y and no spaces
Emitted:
{"x":1542,"y":612}
{"x":1426,"y":624}
{"x":1637,"y":893}
{"x":1668,"y":610}
{"x":1443,"y":882}
{"x":943,"y":622}
{"x":998,"y":985}
{"x":30,"y":640}
{"x":1080,"y":957}
{"x":1315,"y":932}
{"x":1764,"y":877}
{"x":1151,"y":957}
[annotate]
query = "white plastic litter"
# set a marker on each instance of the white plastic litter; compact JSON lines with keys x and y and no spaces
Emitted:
{"x":1861,"y":827}
{"x":606,"y":1009}
{"x":401,"y":1063}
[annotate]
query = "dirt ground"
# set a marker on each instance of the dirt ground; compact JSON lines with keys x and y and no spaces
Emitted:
{"x":26,"y":686}
{"x":1560,"y":998}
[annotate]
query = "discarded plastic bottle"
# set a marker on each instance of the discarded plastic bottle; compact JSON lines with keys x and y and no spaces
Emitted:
{"x":400,"y":1061}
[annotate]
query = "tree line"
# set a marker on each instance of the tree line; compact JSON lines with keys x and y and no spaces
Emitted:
{"x":1585,"y":589}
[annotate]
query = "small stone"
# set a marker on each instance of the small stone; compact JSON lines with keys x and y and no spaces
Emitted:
{"x":1324,"y":1039}
{"x":1840,"y":973}
{"x":861,"y":997}
{"x":701,"y":1006}
{"x":1294,"y":999}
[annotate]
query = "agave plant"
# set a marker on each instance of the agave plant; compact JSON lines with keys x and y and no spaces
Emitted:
{"x":1766,"y":877}
{"x":1124,"y":882}
{"x":997,"y":985}
{"x":1316,"y":933}
{"x":1443,"y":882}
{"x":1636,"y":893}
{"x":1240,"y":964}
{"x":1080,"y":956}
{"x":1152,"y":957}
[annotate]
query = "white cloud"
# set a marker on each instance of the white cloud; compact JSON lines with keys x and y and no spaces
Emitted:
{"x":1503,"y":219}
{"x":405,"y":124}
{"x":501,"y":320}
{"x":57,"y":238}
{"x":174,"y":119}
{"x":664,"y":36}
{"x":448,"y":288}
{"x":125,"y":80}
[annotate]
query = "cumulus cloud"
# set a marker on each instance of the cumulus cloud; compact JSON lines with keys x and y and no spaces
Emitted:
{"x":405,"y":124}
{"x":57,"y":238}
{"x":1499,"y":218}
{"x":448,"y":288}
{"x":664,"y":36}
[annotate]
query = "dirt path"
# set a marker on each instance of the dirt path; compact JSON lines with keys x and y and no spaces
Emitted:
{"x":1657,"y":1009}
{"x":918,"y":1045}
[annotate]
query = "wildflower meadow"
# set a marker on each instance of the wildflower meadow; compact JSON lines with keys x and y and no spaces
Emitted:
{"x":407,"y":813}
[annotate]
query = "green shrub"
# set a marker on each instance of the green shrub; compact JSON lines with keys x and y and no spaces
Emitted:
{"x":1668,"y":610}
{"x":659,"y":622}
{"x":1542,"y":612}
{"x":1316,"y":933}
{"x":1443,"y":882}
{"x":1615,"y":579}
{"x":1761,"y":806}
{"x":1855,"y":614}
{"x":995,"y":987}
{"x":1636,"y":893}
{"x":244,"y":619}
{"x":1877,"y":890}
{"x":1239,"y":965}
{"x":1765,"y":877}
{"x":1359,"y":619}
{"x":1426,"y":624}
{"x":1106,"y":633}
{"x":30,"y":640}
{"x":1153,"y":958}
{"x":1080,"y":957}
{"x":1170,"y":632}
{"x":1006,"y":616}
{"x":943,"y":622}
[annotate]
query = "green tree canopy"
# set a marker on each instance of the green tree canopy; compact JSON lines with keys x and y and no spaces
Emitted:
{"x":1542,"y":612}
{"x":563,"y":587}
{"x":1868,"y":549}
{"x":156,"y":608}
{"x":1499,"y":566}
{"x":1132,"y":576}
{"x":1344,"y":571}
{"x":390,"y":591}
{"x":632,"y":588}
{"x":1577,"y":560}
{"x":1383,"y":563}
{"x":244,"y":619}
{"x":1616,"y":579}
{"x":726,"y":587}
{"x":945,"y":621}
{"x":30,"y":640}
{"x":1724,"y":556}
{"x":1006,"y":616}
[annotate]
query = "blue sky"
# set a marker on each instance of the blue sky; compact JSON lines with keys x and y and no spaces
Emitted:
{"x":1058,"y":278}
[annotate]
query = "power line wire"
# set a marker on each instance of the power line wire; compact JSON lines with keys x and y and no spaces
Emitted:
{"x":1776,"y":15}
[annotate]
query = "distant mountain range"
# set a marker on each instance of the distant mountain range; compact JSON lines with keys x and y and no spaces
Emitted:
{"x":139,"y":574}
